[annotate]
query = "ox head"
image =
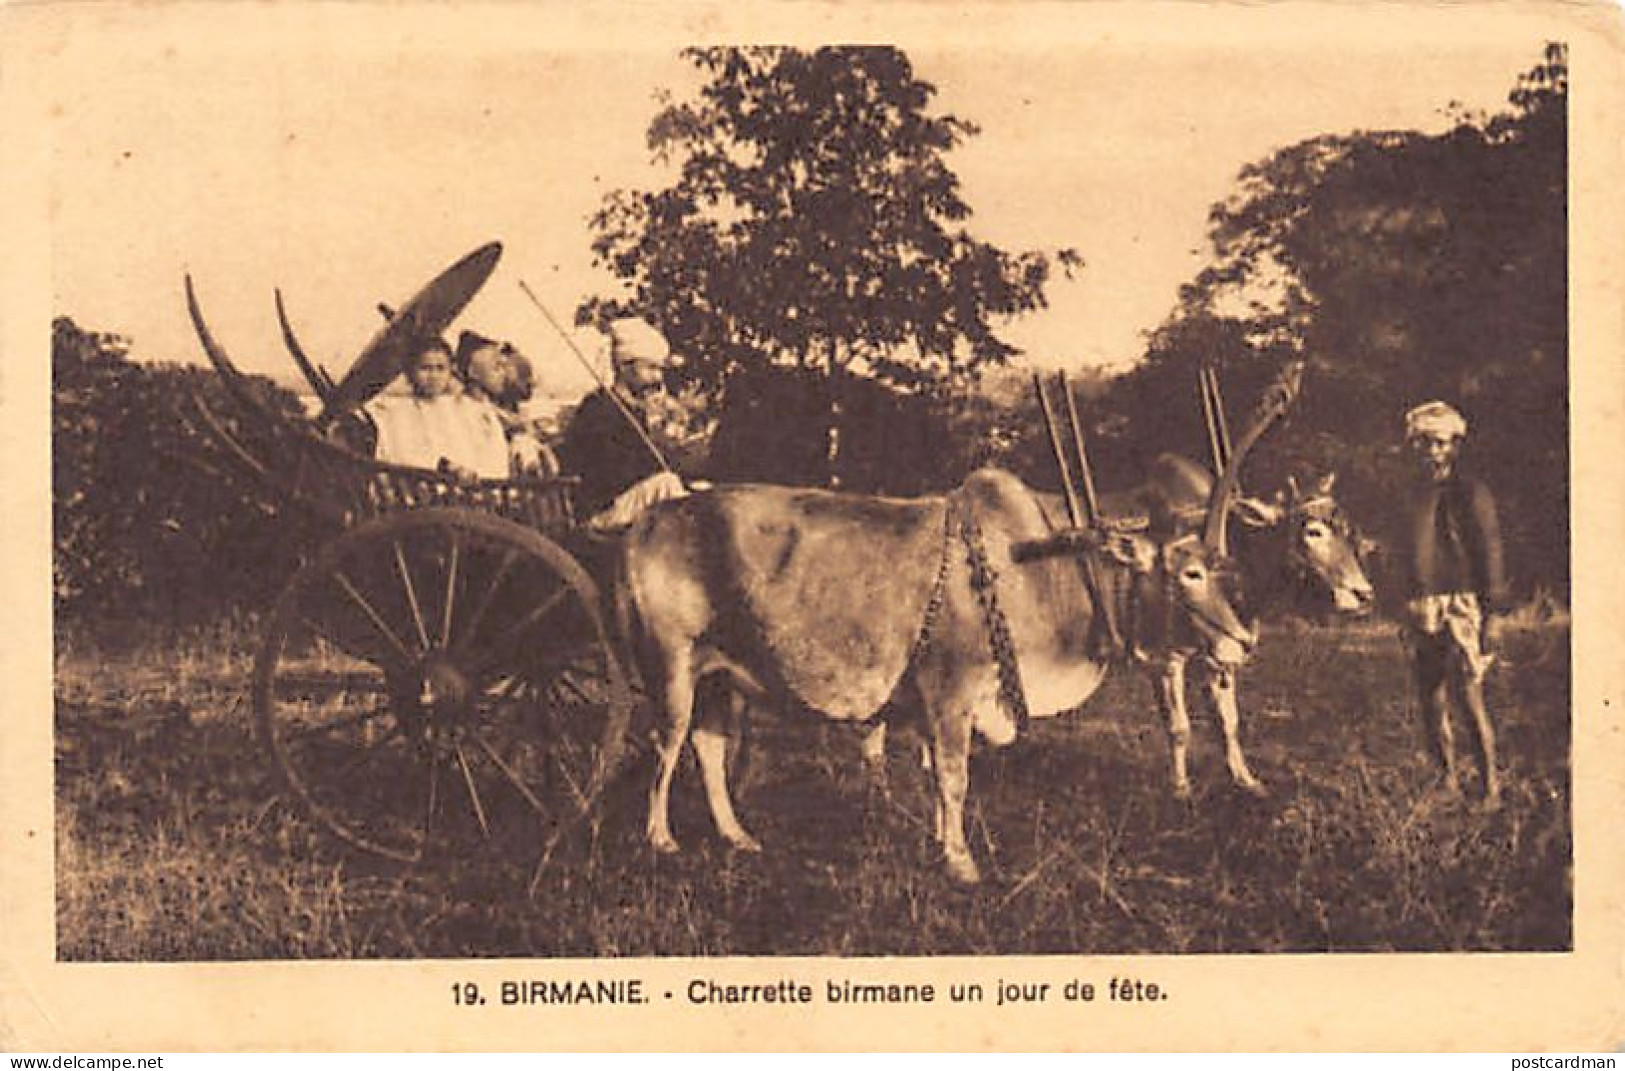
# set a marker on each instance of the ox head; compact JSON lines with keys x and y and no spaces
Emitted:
{"x":1189,"y":579}
{"x":1195,"y":579}
{"x":1321,"y":553}
{"x":1199,"y":586}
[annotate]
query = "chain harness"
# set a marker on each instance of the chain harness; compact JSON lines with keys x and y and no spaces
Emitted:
{"x":939,"y":591}
{"x":984,"y":582}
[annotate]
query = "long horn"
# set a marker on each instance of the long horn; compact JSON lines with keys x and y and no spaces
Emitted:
{"x":320,"y":382}
{"x":1278,"y":398}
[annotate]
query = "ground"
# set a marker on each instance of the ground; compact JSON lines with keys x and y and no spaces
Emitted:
{"x":174,"y":842}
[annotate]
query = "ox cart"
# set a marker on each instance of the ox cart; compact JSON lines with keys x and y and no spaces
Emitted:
{"x":438,"y":675}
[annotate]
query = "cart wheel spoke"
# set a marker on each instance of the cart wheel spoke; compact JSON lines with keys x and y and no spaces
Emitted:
{"x":473,"y":790}
{"x":441,"y":681}
{"x":340,"y":725}
{"x":323,"y":633}
{"x":372,"y":614}
{"x":513,"y":776}
{"x":451,"y":589}
{"x":411,"y":597}
{"x":433,"y":794}
{"x":500,"y":647}
{"x":472,"y":627}
{"x":376,"y":754}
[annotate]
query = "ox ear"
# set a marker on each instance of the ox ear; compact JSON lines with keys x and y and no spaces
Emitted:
{"x":1257,"y":513}
{"x":1327,"y":483}
{"x":1136,"y":552}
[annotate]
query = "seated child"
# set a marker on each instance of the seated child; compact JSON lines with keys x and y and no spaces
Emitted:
{"x":498,"y":373}
{"x":438,"y":426}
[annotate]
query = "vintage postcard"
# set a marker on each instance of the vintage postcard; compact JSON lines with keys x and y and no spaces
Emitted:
{"x":812,"y":526}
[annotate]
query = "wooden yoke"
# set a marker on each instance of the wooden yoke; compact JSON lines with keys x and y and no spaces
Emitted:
{"x":1218,"y":433}
{"x":1086,"y":527}
{"x":1068,"y":488}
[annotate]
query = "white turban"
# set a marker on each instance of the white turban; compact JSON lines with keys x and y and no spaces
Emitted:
{"x":634,"y":341}
{"x":1435,"y":420}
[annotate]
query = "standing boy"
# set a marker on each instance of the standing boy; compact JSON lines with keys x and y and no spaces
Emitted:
{"x":1455,"y":579}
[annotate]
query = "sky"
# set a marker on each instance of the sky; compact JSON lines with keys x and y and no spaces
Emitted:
{"x":347,"y":159}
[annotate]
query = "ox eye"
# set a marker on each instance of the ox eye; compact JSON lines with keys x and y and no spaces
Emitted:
{"x":1314,"y":531}
{"x":1193,"y":574}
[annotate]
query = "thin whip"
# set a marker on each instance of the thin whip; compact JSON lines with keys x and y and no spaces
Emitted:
{"x":626,"y":410}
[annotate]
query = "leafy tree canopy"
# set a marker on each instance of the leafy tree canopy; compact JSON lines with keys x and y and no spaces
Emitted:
{"x":814,"y":221}
{"x":1404,"y":266}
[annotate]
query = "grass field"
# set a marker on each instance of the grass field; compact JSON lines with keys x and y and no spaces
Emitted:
{"x":173,"y":842}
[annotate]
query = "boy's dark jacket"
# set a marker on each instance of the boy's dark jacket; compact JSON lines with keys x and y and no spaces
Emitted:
{"x":1455,"y":543}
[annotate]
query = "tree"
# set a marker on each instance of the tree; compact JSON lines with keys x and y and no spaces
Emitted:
{"x":1405,"y":266}
{"x":815,"y":222}
{"x":147,"y":523}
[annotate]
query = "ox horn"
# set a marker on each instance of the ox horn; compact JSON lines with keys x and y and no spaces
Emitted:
{"x":1278,"y":398}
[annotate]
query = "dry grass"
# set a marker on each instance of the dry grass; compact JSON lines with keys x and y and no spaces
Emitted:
{"x":174,"y":844}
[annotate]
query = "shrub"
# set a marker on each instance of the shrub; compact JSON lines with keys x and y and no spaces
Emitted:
{"x":148,"y":520}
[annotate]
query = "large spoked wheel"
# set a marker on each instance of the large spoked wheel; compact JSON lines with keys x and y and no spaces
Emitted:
{"x":439,"y":680}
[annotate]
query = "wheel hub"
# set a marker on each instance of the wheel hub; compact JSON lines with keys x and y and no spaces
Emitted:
{"x":443,"y":689}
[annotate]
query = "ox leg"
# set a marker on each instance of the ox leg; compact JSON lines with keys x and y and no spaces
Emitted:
{"x":677,"y":701}
{"x":712,"y":735}
{"x":1221,"y":690}
{"x":1170,"y":686}
{"x":951,"y":739}
{"x":951,"y":766}
{"x":873,"y":751}
{"x":1469,"y":691}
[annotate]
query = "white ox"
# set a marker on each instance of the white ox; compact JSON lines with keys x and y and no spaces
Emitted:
{"x":839,"y":600}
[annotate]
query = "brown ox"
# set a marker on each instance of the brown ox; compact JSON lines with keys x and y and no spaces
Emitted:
{"x":1296,"y":548}
{"x":1299,"y":548}
{"x":837,"y":600}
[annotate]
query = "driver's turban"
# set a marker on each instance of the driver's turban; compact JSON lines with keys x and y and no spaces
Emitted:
{"x":635,"y":341}
{"x":1435,"y":420}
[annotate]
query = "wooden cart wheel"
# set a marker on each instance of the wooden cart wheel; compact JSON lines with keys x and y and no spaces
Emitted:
{"x":441,"y":679}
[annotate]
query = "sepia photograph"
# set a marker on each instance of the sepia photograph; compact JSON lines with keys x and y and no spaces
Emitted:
{"x":637,"y":514}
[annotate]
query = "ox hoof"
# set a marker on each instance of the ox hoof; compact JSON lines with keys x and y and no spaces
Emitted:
{"x":963,"y":871}
{"x":1255,"y":789}
{"x":1182,"y":791}
{"x":744,"y":842}
{"x":1447,"y":784}
{"x":663,"y":843}
{"x":877,"y":778}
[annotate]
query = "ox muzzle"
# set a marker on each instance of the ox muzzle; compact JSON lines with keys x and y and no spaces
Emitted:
{"x":1225,"y":643}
